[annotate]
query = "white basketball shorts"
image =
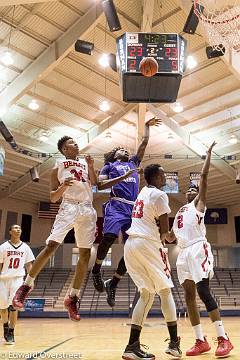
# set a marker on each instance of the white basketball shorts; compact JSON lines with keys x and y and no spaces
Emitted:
{"x":195,"y":262}
{"x":8,"y":288}
{"x":147,"y":264}
{"x":80,"y":216}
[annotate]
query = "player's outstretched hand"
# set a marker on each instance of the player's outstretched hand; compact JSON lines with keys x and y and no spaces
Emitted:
{"x":89,"y":160}
{"x":211,"y":147}
{"x":154,"y":122}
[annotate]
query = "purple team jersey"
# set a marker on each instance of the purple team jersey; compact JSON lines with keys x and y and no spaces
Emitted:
{"x":128,"y":188}
{"x":117,"y":214}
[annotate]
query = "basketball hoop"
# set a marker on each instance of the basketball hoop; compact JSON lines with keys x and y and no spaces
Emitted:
{"x":221,"y":22}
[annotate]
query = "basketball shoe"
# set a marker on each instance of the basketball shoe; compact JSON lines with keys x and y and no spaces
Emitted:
{"x":10,"y":337}
{"x":71,"y":303}
{"x":111,"y":292}
{"x":224,"y":346}
{"x":98,"y":282}
{"x":199,"y":347}
{"x":20,"y":296}
{"x":174,"y":348}
{"x":5,"y":331}
{"x":134,"y":352}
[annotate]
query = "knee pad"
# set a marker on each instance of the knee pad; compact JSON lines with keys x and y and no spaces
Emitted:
{"x":109,"y":239}
{"x":206,"y":296}
{"x":105,"y":244}
{"x":11,"y":308}
{"x":121,"y":269}
{"x":168,"y":305}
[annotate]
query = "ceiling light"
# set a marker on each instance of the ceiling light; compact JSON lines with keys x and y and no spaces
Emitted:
{"x":178,"y":107}
{"x":33,"y":105}
{"x":104,"y":106}
{"x":104,"y":60}
{"x":44,"y":136}
{"x":233,"y":139}
{"x":108,"y":136}
{"x":3,"y":111}
{"x":7,"y":58}
{"x":191,"y":62}
{"x":170,"y":138}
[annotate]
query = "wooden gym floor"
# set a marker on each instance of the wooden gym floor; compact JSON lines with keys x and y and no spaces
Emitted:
{"x":104,"y":338}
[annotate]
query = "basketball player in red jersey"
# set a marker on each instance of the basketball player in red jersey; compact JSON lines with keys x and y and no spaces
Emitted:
{"x":195,"y":264}
{"x":71,"y":180}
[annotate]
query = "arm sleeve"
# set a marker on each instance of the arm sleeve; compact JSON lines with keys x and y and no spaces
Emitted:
{"x":161,"y":204}
{"x":30,"y":257}
{"x":104,"y":173}
{"x":135,"y":159}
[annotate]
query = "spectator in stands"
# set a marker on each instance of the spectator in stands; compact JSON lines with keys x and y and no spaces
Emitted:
{"x":15,"y":256}
{"x":195,"y":264}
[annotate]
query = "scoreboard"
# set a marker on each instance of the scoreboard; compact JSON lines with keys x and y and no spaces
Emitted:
{"x":169,"y":50}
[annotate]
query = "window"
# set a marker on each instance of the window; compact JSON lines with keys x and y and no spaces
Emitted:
{"x":11,"y":220}
{"x":237,"y":228}
{"x":26,"y":226}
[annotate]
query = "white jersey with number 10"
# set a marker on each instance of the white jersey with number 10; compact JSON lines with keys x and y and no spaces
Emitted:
{"x":188,"y":226}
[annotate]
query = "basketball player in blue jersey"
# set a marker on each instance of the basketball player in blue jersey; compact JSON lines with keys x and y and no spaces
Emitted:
{"x":71,"y":180}
{"x":118,"y":210}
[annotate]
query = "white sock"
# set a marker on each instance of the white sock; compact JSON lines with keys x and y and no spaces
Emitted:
{"x":74,"y":292}
{"x":29,"y":281}
{"x":198,"y":332}
{"x":220,"y":329}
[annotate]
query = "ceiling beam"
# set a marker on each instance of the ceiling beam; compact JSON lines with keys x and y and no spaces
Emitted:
{"x":231,"y":58}
{"x":19,"y":2}
{"x":191,"y":142}
{"x":50,"y":58}
{"x":84,"y":142}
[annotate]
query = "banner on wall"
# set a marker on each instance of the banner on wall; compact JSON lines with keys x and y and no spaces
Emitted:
{"x":172,"y":184}
{"x":194,"y":178}
{"x":216,"y":216}
{"x":2,"y":159}
{"x":34,"y":305}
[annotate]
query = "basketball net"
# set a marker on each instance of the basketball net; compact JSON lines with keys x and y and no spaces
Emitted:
{"x":221,"y":22}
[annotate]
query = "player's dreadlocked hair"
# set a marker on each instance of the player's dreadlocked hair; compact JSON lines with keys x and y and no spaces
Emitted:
{"x":110,"y":156}
{"x":193,"y":186}
{"x":61,"y":142}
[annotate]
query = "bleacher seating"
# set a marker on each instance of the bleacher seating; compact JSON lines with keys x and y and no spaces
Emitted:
{"x":52,"y":284}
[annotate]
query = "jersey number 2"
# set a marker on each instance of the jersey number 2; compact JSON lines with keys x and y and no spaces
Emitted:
{"x":14,"y":263}
{"x":138,"y":209}
{"x":180,"y":221}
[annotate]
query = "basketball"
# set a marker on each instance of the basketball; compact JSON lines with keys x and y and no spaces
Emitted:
{"x":148,"y":66}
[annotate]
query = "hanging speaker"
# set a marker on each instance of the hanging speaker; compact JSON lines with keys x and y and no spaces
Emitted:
{"x":112,"y":62}
{"x":192,"y":21}
{"x":34,"y":174}
{"x":213,"y":53}
{"x":5,"y":132}
{"x":84,"y":47}
{"x":111,"y":15}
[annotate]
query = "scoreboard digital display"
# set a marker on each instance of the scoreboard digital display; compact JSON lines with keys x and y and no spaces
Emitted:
{"x":169,"y":50}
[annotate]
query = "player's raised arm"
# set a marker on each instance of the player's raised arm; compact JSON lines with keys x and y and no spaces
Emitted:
{"x":141,"y":148}
{"x":57,"y":190}
{"x":91,"y":171}
{"x":106,"y":184}
{"x":200,"y":200}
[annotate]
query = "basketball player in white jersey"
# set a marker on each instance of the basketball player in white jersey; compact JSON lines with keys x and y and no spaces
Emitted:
{"x":15,"y":256}
{"x":147,"y":262}
{"x":195,"y":264}
{"x":71,"y":180}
